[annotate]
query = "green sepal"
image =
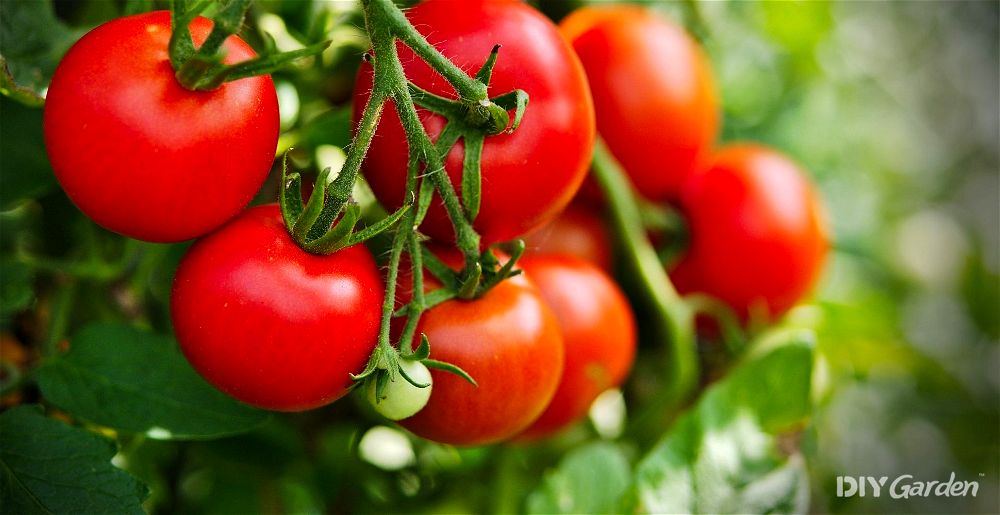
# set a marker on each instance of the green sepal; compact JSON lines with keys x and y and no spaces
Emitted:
{"x":410,"y":379}
{"x":267,"y":64}
{"x":471,"y":176}
{"x":486,"y":71}
{"x":423,"y":350}
{"x":517,"y":250}
{"x":339,"y":236}
{"x":448,"y":367}
{"x":470,"y":285}
{"x":290,"y":194}
{"x":317,"y":200}
{"x":202,"y":68}
{"x":197,"y":70}
{"x":371,"y":366}
{"x":517,"y":100}
{"x":378,"y":227}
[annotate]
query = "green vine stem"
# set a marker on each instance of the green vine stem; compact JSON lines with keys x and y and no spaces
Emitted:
{"x":473,"y":116}
{"x":202,"y":69}
{"x":673,"y":318}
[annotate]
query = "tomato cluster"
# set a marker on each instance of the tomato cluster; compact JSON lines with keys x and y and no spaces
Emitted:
{"x":755,"y":226}
{"x":285,"y":329}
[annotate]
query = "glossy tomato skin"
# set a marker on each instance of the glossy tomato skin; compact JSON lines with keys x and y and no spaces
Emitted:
{"x":270,"y":324}
{"x":527,"y":176}
{"x":598,"y":330}
{"x":577,"y":231}
{"x":654,"y":94}
{"x":758,"y":233}
{"x":140,"y":154}
{"x":509,"y":341}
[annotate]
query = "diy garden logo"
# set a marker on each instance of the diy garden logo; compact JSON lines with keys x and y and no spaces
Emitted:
{"x":904,"y":487}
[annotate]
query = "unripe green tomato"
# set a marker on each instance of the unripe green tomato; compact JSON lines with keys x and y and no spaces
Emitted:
{"x":401,"y":399}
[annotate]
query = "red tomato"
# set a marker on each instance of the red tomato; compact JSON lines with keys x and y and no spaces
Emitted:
{"x":140,"y":154}
{"x":757,"y":231}
{"x":271,"y":324}
{"x":578,"y":232}
{"x":598,"y":330}
{"x":527,"y":176}
{"x":509,"y":341}
{"x":654,"y":94}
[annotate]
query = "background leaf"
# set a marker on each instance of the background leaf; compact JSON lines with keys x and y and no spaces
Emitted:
{"x":723,"y":456}
{"x":591,"y":479}
{"x":49,"y":467}
{"x":24,"y":166}
{"x":32,"y":40}
{"x":128,"y":379}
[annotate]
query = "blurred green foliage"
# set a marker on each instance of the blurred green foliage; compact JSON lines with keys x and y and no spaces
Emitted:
{"x":891,"y":106}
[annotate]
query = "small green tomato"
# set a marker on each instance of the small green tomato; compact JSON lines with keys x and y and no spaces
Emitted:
{"x":401,"y":399}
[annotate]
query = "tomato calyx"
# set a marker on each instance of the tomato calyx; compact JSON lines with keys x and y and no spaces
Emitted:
{"x":387,"y":370}
{"x":324,"y":224}
{"x":202,"y":69}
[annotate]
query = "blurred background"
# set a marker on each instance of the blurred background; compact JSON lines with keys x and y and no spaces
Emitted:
{"x":891,"y":106}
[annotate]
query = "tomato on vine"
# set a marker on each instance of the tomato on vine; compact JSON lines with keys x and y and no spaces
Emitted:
{"x":271,"y":324}
{"x":142,"y":155}
{"x":758,"y":235}
{"x":528,"y":175}
{"x":508,"y":341}
{"x":599,"y":332}
{"x":654,"y":94}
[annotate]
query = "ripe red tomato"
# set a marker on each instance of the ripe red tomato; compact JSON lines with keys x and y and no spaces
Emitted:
{"x":654,"y":94}
{"x":598,"y":330}
{"x":509,"y":341}
{"x":271,"y":324}
{"x":140,"y":154}
{"x":527,"y":176}
{"x":757,"y":231}
{"x":576,"y":231}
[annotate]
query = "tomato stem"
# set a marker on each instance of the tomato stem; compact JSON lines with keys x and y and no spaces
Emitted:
{"x":202,"y":69}
{"x":673,"y":318}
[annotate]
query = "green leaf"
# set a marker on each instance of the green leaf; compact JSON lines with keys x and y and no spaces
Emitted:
{"x":24,"y":166}
{"x":32,"y":41}
{"x":724,"y":455}
{"x":49,"y":467}
{"x":132,"y":380}
{"x":591,"y":479}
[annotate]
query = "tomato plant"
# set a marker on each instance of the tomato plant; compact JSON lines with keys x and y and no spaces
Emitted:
{"x":140,"y":154}
{"x":598,"y":330}
{"x":654,"y":93}
{"x":269,"y":323}
{"x":529,"y":175}
{"x":577,"y":231}
{"x":287,"y":312}
{"x":757,"y":230}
